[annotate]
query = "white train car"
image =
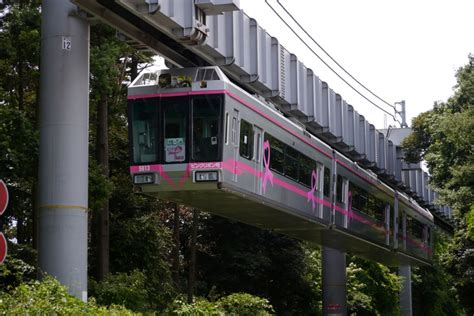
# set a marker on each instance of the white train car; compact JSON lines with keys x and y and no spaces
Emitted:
{"x":198,"y":139}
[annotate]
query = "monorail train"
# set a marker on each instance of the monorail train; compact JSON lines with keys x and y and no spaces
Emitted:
{"x":200,"y":140}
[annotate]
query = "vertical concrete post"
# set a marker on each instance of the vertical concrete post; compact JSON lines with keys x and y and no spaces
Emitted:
{"x":63,"y":157}
{"x":334,"y":282}
{"x":405,"y":294}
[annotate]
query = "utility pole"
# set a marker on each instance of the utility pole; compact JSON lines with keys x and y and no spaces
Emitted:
{"x":64,"y":138}
{"x":402,"y":113}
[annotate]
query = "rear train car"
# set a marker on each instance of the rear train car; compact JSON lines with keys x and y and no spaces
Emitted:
{"x":198,"y":139}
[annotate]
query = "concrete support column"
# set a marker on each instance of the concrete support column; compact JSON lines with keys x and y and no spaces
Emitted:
{"x":405,"y":294}
{"x":334,"y":282}
{"x":64,"y":133}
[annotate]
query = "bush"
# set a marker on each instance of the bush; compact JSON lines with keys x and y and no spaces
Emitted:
{"x":201,"y":307}
{"x":244,"y":304}
{"x":48,"y":297}
{"x":124,"y":289}
{"x":241,"y":304}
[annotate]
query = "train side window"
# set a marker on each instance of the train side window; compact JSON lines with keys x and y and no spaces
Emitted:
{"x":234,"y":130}
{"x":258,"y":145}
{"x":375,"y":207}
{"x":291,"y":163}
{"x":359,"y":198}
{"x":246,"y":139}
{"x":306,"y":167}
{"x":367,"y":203}
{"x":226,"y":137}
{"x":414,"y":228}
{"x":327,"y":182}
{"x":339,"y":191}
{"x":277,"y":156}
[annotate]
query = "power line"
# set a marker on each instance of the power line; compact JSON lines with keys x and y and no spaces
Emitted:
{"x":343,"y":69}
{"x":327,"y":65}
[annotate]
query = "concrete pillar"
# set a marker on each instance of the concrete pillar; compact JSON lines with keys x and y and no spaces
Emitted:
{"x":63,"y":159}
{"x":334,"y":282}
{"x":405,"y":294}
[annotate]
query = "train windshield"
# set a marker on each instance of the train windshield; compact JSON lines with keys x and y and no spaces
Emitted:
{"x":176,"y":129}
{"x":144,"y":122}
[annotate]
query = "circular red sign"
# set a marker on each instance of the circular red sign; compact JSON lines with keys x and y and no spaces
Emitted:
{"x":3,"y":248}
{"x":3,"y":197}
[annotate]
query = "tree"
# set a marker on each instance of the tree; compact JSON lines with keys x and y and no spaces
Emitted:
{"x":443,"y":137}
{"x":19,"y":84}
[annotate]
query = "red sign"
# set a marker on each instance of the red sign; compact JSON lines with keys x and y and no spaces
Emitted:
{"x":3,"y":197}
{"x":3,"y":248}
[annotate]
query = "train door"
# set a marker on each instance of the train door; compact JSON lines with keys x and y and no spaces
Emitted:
{"x":235,"y":142}
{"x":341,"y":201}
{"x":258,"y":144}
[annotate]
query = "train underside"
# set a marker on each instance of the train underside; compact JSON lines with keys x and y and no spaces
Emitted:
{"x":231,"y":202}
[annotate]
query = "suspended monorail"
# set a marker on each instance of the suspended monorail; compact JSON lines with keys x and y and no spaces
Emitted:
{"x":200,"y":140}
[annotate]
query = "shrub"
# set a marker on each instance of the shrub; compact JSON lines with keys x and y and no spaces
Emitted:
{"x":241,"y":304}
{"x":48,"y":297}
{"x":124,"y":289}
{"x":244,"y":304}
{"x":201,"y":307}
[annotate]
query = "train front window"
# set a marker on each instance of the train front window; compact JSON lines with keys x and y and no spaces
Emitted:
{"x":175,"y":118}
{"x":144,"y":124}
{"x":206,"y":136}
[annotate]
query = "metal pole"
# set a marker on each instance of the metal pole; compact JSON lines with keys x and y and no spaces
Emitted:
{"x":403,"y":113}
{"x":334,"y":282}
{"x":63,"y":159}
{"x":405,"y":294}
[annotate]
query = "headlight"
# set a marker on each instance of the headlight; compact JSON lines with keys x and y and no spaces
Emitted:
{"x":144,"y":178}
{"x":203,"y":176}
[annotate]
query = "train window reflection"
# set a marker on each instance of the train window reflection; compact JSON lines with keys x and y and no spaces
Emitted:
{"x":291,"y":163}
{"x":144,"y":130}
{"x":307,"y":165}
{"x":414,"y":228}
{"x":206,"y":114}
{"x":276,"y":154}
{"x":367,"y":203}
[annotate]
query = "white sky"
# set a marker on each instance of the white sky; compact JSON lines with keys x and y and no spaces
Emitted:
{"x":401,"y":50}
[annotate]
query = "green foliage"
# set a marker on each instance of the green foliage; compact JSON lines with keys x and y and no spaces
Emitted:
{"x":371,"y":288}
{"x":48,"y":297}
{"x":313,"y":275}
{"x":124,"y":289}
{"x":201,"y":307}
{"x":244,"y":304}
{"x":100,"y":187}
{"x":432,"y":287}
{"x":460,"y":262}
{"x":144,"y":243}
{"x":444,"y":138}
{"x":13,"y":272}
{"x":241,"y":258}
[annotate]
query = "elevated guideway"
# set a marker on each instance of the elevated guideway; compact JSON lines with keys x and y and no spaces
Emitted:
{"x":192,"y":33}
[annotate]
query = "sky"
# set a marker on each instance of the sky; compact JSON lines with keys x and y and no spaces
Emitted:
{"x":401,"y":50}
